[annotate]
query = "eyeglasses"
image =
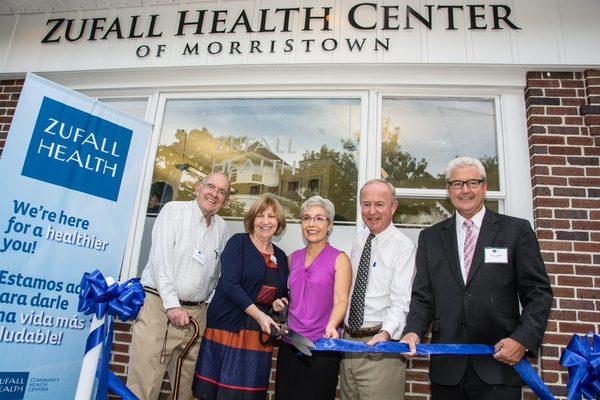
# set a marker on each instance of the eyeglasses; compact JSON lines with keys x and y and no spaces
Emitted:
{"x":471,"y":184}
{"x":317,"y":219}
{"x":212,"y":188}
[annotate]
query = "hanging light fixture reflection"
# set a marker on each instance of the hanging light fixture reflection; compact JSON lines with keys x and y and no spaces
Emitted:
{"x":184,"y":166}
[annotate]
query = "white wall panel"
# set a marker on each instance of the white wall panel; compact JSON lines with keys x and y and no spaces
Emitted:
{"x":553,"y":33}
{"x":7,"y":24}
{"x":581,"y":30}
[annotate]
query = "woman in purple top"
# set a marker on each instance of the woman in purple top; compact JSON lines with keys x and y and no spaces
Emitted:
{"x":319,"y":284}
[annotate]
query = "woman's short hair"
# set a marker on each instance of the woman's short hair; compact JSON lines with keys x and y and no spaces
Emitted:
{"x":261,"y":204}
{"x":318,"y":201}
{"x":464,"y":162}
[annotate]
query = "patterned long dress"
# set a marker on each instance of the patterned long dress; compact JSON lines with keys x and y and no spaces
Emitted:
{"x":236,"y":365}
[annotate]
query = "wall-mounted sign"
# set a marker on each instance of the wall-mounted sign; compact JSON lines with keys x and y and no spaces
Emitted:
{"x":221,"y":24}
{"x":296,"y":32}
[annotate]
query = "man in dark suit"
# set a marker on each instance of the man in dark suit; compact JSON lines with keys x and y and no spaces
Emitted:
{"x":472,"y":271}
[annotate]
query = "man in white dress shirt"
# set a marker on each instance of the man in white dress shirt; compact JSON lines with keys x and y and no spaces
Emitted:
{"x":383,"y":267}
{"x":182,"y":272}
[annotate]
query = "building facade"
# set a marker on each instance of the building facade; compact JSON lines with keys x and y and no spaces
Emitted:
{"x":298,"y":98}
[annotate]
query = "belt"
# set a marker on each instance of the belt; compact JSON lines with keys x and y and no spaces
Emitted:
{"x":153,"y":291}
{"x":362,"y":332}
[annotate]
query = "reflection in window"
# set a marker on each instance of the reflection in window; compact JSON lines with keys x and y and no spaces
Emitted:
{"x":420,"y":136}
{"x":426,"y":212}
{"x":313,"y":185}
{"x":257,"y":178}
{"x":292,"y":190}
{"x":292,"y":148}
{"x":160,"y":193}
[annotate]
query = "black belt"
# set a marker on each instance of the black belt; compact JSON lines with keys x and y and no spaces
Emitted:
{"x":362,"y":332}
{"x":153,"y":291}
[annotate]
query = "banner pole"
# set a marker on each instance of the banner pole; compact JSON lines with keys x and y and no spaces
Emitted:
{"x":87,"y":376}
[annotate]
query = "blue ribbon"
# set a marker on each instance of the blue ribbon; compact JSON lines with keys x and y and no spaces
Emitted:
{"x":523,"y":368}
{"x":582,"y":358}
{"x":107,"y":380}
{"x":116,"y":386}
{"x":123,"y":301}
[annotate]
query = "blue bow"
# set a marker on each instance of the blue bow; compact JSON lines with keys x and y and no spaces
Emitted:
{"x":123,"y":301}
{"x":582,"y":358}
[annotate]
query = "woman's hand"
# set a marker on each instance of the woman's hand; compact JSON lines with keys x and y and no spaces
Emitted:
{"x":263,"y":319}
{"x":331,"y":333}
{"x":266,"y":322}
{"x":280,"y":304}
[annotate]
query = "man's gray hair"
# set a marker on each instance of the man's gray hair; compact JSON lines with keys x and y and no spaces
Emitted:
{"x":383,"y":181}
{"x":318,"y":201}
{"x":464,"y":162}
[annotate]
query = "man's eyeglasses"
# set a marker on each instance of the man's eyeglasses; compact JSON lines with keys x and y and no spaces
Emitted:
{"x":318,"y":219}
{"x":212,"y":188}
{"x":471,"y":184}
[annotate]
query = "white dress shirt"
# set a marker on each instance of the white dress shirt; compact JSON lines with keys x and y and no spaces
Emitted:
{"x":391,"y":275}
{"x":461,"y":232}
{"x":184,"y":260}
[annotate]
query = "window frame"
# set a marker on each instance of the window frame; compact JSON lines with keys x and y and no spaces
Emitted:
{"x":132,"y":256}
{"x":441,"y":94}
{"x":507,"y":87}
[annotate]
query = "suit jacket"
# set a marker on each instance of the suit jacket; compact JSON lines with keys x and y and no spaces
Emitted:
{"x":486,"y":308}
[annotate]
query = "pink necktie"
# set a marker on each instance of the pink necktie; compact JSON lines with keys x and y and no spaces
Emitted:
{"x":470,"y":242}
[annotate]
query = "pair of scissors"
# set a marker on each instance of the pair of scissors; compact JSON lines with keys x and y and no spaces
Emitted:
{"x":301,"y":343}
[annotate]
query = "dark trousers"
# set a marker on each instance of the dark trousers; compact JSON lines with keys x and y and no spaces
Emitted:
{"x":300,"y":377}
{"x":473,"y":388}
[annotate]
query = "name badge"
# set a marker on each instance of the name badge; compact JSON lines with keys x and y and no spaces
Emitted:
{"x":273,"y":259}
{"x":496,"y":255}
{"x":199,"y":256}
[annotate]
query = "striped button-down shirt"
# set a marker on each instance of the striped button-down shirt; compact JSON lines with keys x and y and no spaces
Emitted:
{"x":184,"y":260}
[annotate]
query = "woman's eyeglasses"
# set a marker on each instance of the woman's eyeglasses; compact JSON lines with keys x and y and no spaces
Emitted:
{"x":317,"y":219}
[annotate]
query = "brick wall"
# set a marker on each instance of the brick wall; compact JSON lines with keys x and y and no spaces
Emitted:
{"x":563,"y":125}
{"x":563,"y":119}
{"x":9,"y":95}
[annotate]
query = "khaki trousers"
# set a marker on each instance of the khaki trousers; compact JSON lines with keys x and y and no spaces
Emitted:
{"x":372,"y":376}
{"x":146,"y":370}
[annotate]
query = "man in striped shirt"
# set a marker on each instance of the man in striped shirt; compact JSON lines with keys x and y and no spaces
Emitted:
{"x":182,"y":272}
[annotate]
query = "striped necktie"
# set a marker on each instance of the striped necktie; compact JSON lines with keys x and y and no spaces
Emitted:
{"x":469,"y":248}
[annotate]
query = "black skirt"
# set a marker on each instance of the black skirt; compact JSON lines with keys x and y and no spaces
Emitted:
{"x":301,"y":377}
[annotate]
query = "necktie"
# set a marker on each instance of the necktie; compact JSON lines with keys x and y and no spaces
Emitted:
{"x":357,"y":303}
{"x":469,"y":248}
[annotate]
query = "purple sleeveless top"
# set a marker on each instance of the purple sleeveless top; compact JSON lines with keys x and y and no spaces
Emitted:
{"x":311,"y":292}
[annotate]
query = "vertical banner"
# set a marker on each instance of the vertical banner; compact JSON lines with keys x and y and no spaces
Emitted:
{"x":69,"y":172}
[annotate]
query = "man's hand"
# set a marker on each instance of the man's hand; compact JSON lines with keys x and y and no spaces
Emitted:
{"x":412,"y":339}
{"x":382,"y":336}
{"x":509,"y":351}
{"x":178,"y":317}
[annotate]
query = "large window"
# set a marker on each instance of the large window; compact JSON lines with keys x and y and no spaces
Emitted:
{"x":292,"y":148}
{"x":419,"y":136}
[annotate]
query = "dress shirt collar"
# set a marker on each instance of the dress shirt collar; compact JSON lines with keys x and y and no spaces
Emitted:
{"x":477,"y":219}
{"x":200,"y":215}
{"x":387,"y":232}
